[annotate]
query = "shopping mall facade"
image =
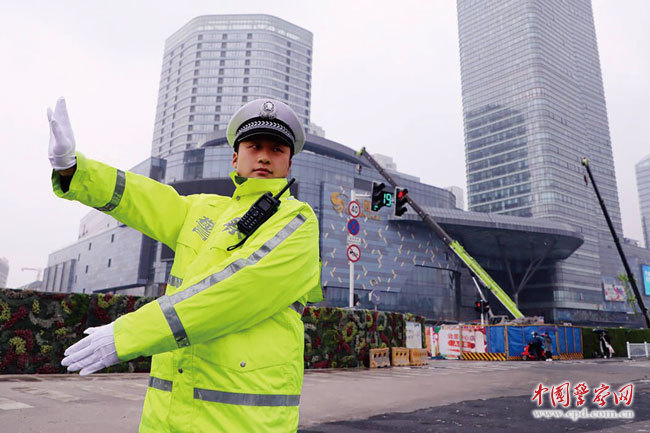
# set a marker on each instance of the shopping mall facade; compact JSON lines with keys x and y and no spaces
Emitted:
{"x":403,"y":266}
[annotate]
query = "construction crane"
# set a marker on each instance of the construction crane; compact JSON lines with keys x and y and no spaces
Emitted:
{"x":477,"y":272}
{"x":629,"y":273}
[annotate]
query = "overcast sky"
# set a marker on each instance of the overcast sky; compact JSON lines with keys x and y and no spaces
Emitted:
{"x":384,"y":77}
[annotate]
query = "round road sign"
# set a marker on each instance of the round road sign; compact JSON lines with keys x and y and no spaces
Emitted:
{"x":354,"y":253}
{"x":354,"y":209}
{"x":353,"y":226}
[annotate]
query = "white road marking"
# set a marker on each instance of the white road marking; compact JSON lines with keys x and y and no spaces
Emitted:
{"x":55,"y":395}
{"x":6,"y":404}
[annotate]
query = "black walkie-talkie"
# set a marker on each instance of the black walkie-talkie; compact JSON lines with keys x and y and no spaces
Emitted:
{"x":262,"y":209}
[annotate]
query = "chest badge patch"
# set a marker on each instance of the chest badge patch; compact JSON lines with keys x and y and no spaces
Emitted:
{"x":231,"y":227}
{"x":203,"y":227}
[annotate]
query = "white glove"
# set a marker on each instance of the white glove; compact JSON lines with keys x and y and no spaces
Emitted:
{"x":92,"y":353}
{"x":62,"y":147}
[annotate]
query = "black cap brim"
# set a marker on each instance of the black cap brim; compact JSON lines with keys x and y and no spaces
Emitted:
{"x":265,"y":133}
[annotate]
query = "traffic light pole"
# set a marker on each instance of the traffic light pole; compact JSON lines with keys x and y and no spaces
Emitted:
{"x":629,"y":273}
{"x":475,"y":269}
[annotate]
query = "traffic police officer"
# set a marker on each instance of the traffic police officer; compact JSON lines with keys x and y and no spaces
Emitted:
{"x":227,"y":338}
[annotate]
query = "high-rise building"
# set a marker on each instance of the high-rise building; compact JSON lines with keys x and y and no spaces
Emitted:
{"x":458,"y":193}
{"x":4,"y":271}
{"x":533,"y":106}
{"x":216,"y":63}
{"x":643,"y":186}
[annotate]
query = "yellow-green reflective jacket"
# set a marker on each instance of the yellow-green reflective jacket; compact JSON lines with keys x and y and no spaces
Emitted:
{"x":226,"y":339}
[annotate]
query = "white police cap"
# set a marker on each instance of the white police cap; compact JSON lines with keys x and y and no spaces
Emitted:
{"x":266,"y":117}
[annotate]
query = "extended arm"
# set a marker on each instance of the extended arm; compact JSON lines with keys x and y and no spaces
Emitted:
{"x":266,"y":277}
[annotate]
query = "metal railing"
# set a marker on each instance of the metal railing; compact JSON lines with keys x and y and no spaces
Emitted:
{"x":638,"y":349}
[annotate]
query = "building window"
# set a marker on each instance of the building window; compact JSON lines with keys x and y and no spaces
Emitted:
{"x":86,"y":268}
{"x":78,"y":256}
{"x":109,"y":263}
{"x":249,"y":36}
{"x":112,"y":238}
{"x":200,"y":37}
{"x":189,"y":137}
{"x":75,"y":279}
{"x":90,"y":245}
{"x":224,"y":36}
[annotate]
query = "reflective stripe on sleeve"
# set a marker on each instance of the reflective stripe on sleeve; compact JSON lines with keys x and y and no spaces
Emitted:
{"x":120,"y":183}
{"x":173,"y":321}
{"x":241,"y":399}
{"x":175,"y":281}
{"x":167,"y":302}
{"x":161,"y":384}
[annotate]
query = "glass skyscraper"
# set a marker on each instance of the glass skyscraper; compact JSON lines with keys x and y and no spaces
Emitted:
{"x":533,"y":106}
{"x":643,"y":186}
{"x":216,"y":63}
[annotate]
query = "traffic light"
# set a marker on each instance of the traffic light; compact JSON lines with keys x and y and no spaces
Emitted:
{"x":478,"y":306}
{"x":400,"y":201}
{"x":380,"y":198}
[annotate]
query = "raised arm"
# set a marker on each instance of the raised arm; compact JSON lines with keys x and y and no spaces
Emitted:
{"x":141,"y":203}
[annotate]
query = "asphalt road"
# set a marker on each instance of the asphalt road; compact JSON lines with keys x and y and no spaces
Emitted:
{"x":444,"y":396}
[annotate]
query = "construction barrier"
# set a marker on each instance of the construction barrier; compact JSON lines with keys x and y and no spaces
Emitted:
{"x":500,"y":342}
{"x":418,"y":356}
{"x":468,"y":356}
{"x":399,"y":356}
{"x":570,"y":356}
{"x":379,"y":358}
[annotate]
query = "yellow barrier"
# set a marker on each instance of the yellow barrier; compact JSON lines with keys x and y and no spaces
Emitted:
{"x":399,"y":356}
{"x":571,"y":356}
{"x":418,"y":356}
{"x":469,"y":356}
{"x":379,"y":358}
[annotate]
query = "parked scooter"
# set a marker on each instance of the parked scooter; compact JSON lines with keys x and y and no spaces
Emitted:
{"x":534,"y":350}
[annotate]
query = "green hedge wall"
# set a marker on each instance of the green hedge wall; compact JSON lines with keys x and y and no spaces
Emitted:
{"x":37,"y":327}
{"x":617,"y":336}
